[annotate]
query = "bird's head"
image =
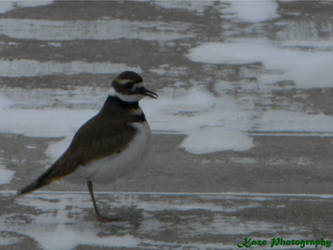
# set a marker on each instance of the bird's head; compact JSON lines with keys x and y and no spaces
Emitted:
{"x":129,"y":87}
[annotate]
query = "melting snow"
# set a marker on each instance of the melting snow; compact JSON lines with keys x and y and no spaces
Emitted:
{"x":301,"y":67}
{"x":8,"y":5}
{"x":24,"y":67}
{"x":97,"y":29}
{"x":6,"y":175}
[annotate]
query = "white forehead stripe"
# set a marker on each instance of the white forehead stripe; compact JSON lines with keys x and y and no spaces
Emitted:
{"x":124,"y":81}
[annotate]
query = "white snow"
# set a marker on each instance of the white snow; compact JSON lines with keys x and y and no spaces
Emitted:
{"x":72,"y":237}
{"x":309,"y":44}
{"x":32,"y":3}
{"x":6,"y":175}
{"x":282,"y":120}
{"x":55,"y":150}
{"x":198,"y":7}
{"x":43,"y":123}
{"x":301,"y":67}
{"x":25,"y":67}
{"x":96,"y":29}
{"x":47,"y":229}
{"x":210,"y":122}
{"x":211,"y":140}
{"x":254,"y":11}
{"x":242,"y":10}
{"x":63,"y":216}
{"x":8,"y":5}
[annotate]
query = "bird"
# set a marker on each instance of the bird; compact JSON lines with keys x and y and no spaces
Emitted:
{"x":110,"y":145}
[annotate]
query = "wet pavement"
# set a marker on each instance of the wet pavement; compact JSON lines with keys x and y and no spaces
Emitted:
{"x":61,"y":57}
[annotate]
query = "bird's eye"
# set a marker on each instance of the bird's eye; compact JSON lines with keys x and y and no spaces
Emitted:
{"x":128,"y":85}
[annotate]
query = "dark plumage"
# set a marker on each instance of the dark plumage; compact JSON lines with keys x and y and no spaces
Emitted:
{"x":109,"y":128}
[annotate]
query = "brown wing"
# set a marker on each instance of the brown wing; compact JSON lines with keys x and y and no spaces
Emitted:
{"x":97,"y":138}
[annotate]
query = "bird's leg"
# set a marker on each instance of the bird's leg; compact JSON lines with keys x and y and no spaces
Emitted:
{"x":98,"y":215}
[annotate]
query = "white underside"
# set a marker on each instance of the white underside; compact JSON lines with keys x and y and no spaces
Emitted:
{"x":110,"y":168}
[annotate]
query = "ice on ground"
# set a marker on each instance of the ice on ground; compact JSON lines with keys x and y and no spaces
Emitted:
{"x":58,"y":227}
{"x":5,"y":102}
{"x":305,"y":30}
{"x":6,"y":175}
{"x":25,"y":67}
{"x":45,"y":30}
{"x":43,"y":123}
{"x":308,"y":44}
{"x":210,"y":122}
{"x":282,"y":120}
{"x":254,"y":11}
{"x":55,"y":150}
{"x":185,"y":110}
{"x":90,"y":97}
{"x":72,"y":236}
{"x":8,"y":5}
{"x":51,"y":217}
{"x":246,"y":10}
{"x":211,"y":140}
{"x":279,"y":64}
{"x":32,"y":3}
{"x":194,"y":6}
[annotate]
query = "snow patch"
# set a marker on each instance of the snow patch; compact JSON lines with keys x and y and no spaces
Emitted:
{"x":25,"y":67}
{"x":8,"y":5}
{"x":279,"y":64}
{"x":43,"y":123}
{"x":6,"y":175}
{"x":282,"y":120}
{"x":210,"y":123}
{"x":210,"y":140}
{"x":46,"y":30}
{"x":55,"y":150}
{"x":254,"y":11}
{"x":245,"y":10}
{"x":47,"y":229}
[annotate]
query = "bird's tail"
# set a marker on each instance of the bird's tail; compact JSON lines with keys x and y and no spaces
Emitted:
{"x":44,"y":179}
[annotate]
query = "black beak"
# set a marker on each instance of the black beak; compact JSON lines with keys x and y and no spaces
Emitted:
{"x":147,"y":92}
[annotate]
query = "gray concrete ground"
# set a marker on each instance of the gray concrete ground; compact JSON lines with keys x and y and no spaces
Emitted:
{"x":282,"y":187}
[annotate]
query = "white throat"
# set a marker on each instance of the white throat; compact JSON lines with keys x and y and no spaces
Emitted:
{"x":124,"y":97}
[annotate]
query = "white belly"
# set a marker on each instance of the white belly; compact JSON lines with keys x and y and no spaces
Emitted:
{"x":110,"y":168}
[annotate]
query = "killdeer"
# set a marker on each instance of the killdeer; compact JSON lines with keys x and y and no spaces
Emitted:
{"x":110,"y":144}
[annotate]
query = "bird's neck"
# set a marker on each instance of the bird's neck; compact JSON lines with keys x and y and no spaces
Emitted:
{"x":123,"y":104}
{"x":125,"y":97}
{"x":117,"y":107}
